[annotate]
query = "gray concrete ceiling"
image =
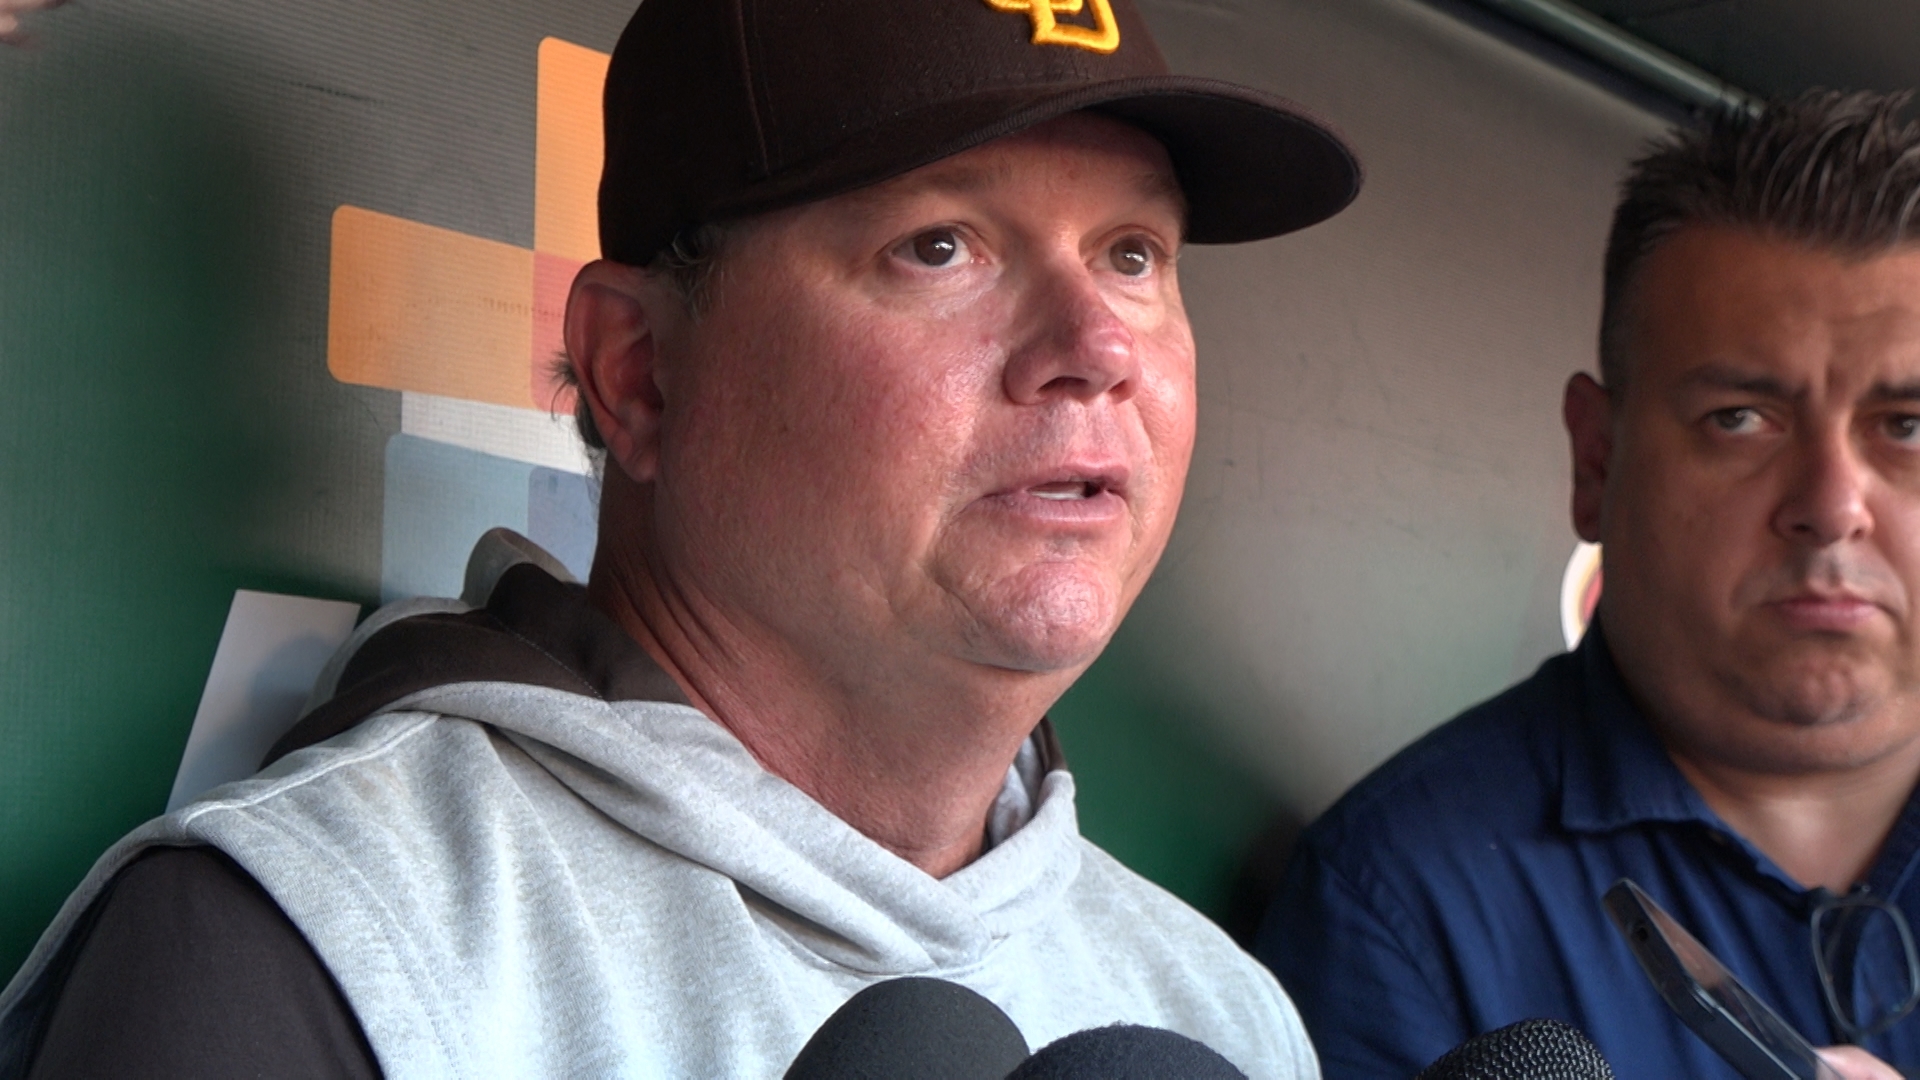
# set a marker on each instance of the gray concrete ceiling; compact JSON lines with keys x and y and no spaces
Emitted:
{"x":1778,"y":47}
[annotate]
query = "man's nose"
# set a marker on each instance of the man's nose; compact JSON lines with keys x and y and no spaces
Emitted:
{"x":1076,"y":348}
{"x":1826,"y":499}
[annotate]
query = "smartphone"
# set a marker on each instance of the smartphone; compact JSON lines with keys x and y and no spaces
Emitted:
{"x":1739,"y":1027}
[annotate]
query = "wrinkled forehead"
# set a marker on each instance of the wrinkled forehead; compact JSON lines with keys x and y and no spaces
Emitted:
{"x":1735,"y":301}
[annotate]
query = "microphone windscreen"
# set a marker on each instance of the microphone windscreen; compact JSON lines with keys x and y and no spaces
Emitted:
{"x":1528,"y":1050}
{"x":1126,"y":1052}
{"x":923,"y":1028}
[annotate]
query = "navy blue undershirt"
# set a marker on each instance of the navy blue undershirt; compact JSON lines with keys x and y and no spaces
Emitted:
{"x":1457,"y":890}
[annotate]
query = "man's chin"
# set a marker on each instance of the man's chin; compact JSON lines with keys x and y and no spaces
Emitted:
{"x":1819,"y":710}
{"x":1814,"y":679}
{"x":1051,"y":650}
{"x":1814,"y":695}
{"x":1053,"y":618}
{"x":1038,"y":645}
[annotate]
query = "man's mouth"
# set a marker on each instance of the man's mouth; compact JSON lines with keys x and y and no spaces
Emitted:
{"x":1068,"y":490}
{"x":1834,"y":611}
{"x":1078,"y":491}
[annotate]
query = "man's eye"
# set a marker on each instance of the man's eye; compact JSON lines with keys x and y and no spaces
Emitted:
{"x":935,"y":248}
{"x":1132,"y":257}
{"x":1736,"y":421}
{"x":1904,"y":427}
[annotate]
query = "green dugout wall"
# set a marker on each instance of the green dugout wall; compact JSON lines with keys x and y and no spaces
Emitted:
{"x":1373,"y":534}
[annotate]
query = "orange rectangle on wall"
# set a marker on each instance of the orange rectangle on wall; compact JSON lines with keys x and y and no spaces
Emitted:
{"x":552,"y":281}
{"x":414,"y":307}
{"x":569,"y":146}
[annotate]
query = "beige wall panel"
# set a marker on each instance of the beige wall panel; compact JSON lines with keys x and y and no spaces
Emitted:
{"x":1376,"y":523}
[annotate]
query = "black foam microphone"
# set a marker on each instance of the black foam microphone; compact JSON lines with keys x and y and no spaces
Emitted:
{"x":1528,"y":1050}
{"x":1126,"y":1052}
{"x":929,"y":1029}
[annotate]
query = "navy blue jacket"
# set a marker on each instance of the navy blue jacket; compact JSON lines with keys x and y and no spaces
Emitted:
{"x":1457,"y":889}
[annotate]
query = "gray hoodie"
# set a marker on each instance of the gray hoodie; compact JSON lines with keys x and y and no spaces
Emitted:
{"x":520,"y":876}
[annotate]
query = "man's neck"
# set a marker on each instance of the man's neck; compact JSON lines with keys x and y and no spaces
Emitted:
{"x":1823,"y":828}
{"x":913,"y":763}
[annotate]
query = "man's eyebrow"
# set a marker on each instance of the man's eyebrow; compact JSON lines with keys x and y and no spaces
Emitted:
{"x":963,"y":178}
{"x":1885,"y":392}
{"x":1715,"y":377}
{"x":959,"y":178}
{"x":1158,"y":184}
{"x":1720,"y":377}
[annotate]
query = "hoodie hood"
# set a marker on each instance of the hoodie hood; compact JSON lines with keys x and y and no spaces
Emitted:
{"x":579,"y":697}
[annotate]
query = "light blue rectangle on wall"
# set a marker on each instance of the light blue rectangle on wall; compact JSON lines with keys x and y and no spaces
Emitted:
{"x":439,"y":499}
{"x":563,"y":516}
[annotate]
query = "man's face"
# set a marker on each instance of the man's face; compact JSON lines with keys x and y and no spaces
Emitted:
{"x":1760,"y":501}
{"x":944,"y":418}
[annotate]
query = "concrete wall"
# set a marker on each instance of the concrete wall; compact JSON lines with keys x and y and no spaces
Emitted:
{"x":1376,"y":524}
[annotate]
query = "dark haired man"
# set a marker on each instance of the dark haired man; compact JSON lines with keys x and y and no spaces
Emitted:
{"x":1740,"y":731}
{"x":896,"y":395}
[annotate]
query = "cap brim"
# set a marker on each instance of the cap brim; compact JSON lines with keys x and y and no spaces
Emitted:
{"x":1252,"y":165}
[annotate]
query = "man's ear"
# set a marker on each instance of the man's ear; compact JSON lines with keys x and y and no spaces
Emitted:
{"x":1588,"y":412}
{"x":613,"y":345}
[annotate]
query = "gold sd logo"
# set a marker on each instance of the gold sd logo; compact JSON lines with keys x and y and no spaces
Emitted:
{"x":1102,"y":37}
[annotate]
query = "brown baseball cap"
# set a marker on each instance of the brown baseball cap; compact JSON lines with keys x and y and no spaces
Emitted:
{"x":721,"y":108}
